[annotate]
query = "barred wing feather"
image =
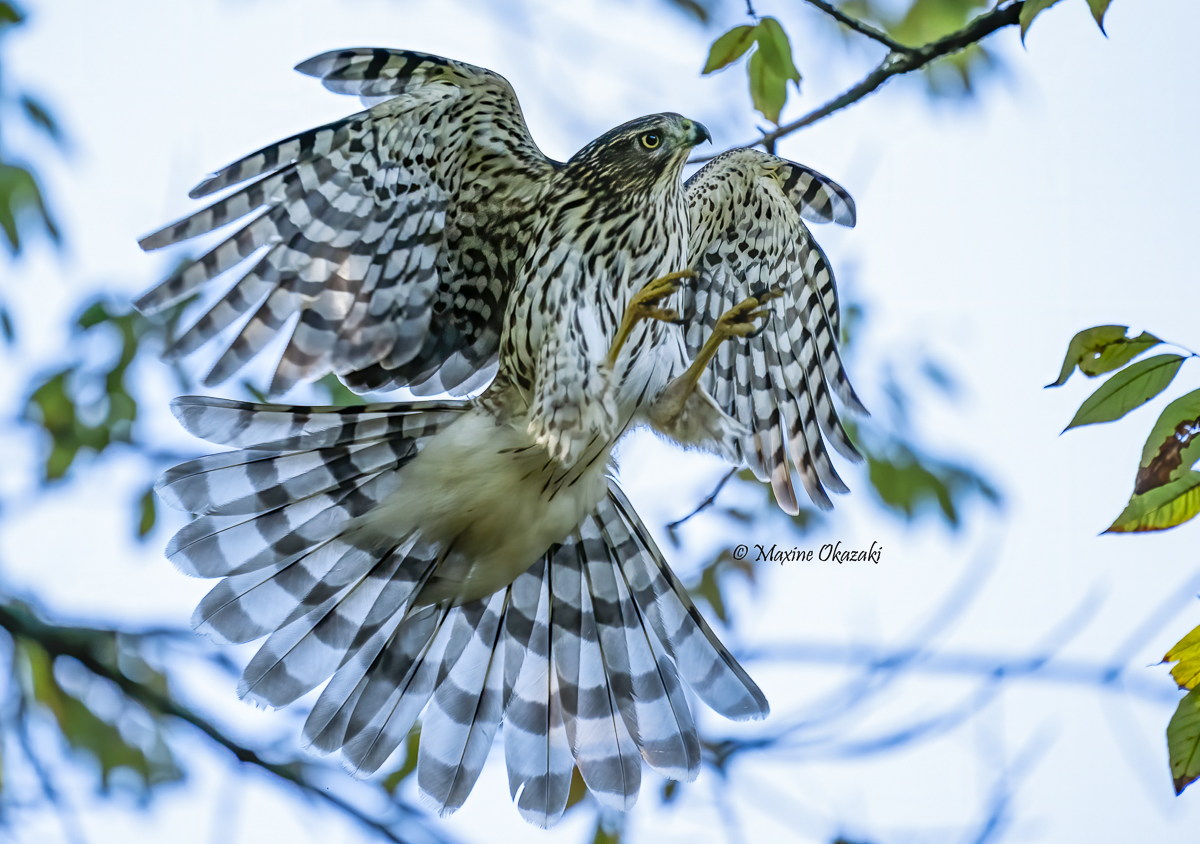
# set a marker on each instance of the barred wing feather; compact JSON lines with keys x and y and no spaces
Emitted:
{"x":748,"y":236}
{"x":380,"y":243}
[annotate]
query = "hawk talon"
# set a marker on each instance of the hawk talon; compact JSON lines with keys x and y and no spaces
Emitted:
{"x":641,"y":307}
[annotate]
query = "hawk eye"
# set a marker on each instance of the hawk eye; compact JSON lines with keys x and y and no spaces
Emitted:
{"x":651,"y":140}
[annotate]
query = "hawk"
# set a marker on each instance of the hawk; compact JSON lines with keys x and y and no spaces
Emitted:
{"x":473,"y":558}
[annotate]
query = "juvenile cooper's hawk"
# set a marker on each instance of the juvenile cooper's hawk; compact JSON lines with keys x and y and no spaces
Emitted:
{"x":475,"y":555}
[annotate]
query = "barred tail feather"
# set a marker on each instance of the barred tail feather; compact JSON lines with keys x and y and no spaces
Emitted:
{"x":583,"y":656}
{"x":536,"y":750}
{"x":460,"y":724}
{"x":707,"y":666}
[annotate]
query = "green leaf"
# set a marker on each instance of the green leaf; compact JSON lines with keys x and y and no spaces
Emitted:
{"x":1183,"y":741}
{"x":148,"y":512}
{"x":776,"y":50}
{"x":1031,"y":10}
{"x":392,"y":781}
{"x":768,"y":90}
{"x":1128,"y":389}
{"x":1162,"y":507}
{"x":339,"y":393}
{"x":1102,"y":349}
{"x":1173,"y":446}
{"x":729,"y":48}
{"x":1099,"y":7}
{"x":1187,"y":653}
{"x":1117,"y":354}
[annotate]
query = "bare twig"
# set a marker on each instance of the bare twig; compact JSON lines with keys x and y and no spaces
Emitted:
{"x":860,"y":27}
{"x":896,"y":64}
{"x":703,"y":505}
{"x":88,"y":645}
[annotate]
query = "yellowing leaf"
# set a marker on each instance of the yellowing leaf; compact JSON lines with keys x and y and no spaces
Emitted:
{"x":1161,"y":508}
{"x":1031,"y":10}
{"x":1183,"y":741}
{"x":1173,"y":446}
{"x":1102,"y":349}
{"x":767,"y":88}
{"x":1187,"y":653}
{"x":729,"y":47}
{"x":1128,"y":389}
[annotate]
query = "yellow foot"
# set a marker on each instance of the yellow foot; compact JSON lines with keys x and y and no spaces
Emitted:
{"x":645,"y":305}
{"x":738,"y":321}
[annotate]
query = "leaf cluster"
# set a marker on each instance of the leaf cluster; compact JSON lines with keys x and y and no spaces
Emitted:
{"x":1166,"y":493}
{"x":770,"y":67}
{"x":1166,"y":489}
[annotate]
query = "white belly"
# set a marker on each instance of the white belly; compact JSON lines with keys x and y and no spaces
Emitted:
{"x":491,"y":498}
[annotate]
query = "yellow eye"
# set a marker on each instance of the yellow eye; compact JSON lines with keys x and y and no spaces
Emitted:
{"x":651,"y":140}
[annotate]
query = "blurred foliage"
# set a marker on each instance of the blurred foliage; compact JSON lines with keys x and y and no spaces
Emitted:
{"x":21,"y":204}
{"x":910,"y":483}
{"x":23,"y":210}
{"x":925,"y":21}
{"x":90,"y":406}
{"x":906,"y":480}
{"x":411,"y":745}
{"x":92,"y":715}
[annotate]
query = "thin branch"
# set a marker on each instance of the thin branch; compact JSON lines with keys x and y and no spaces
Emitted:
{"x":703,"y":505}
{"x":81,"y":643}
{"x":896,"y":64}
{"x":860,"y":27}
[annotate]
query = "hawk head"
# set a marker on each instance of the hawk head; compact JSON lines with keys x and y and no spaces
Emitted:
{"x":640,"y":156}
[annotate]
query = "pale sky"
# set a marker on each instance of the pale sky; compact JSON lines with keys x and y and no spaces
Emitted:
{"x":1063,"y":197}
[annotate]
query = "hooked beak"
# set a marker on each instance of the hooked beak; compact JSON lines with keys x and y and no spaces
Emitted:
{"x":699,"y":132}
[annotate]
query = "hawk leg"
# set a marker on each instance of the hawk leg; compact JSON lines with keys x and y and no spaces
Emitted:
{"x":738,"y":321}
{"x":644,"y":305}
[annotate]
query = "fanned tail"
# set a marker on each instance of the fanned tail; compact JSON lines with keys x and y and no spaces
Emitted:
{"x":584,"y":656}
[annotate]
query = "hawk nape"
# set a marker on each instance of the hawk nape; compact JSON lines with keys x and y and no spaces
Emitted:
{"x":474,"y":555}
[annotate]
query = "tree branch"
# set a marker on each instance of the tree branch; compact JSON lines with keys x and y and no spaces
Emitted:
{"x":90,"y":645}
{"x":860,"y":27}
{"x":896,"y":64}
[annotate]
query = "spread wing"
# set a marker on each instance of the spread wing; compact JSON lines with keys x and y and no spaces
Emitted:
{"x":388,"y":235}
{"x":746,"y":211}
